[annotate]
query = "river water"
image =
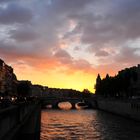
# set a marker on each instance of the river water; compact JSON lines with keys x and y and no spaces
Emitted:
{"x":87,"y":125}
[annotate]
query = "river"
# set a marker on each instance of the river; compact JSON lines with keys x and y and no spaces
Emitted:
{"x":87,"y":125}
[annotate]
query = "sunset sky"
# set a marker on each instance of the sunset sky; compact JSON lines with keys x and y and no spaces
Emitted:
{"x":66,"y":43}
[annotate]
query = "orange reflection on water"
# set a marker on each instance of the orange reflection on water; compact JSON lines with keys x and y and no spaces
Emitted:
{"x":65,"y":105}
{"x":67,"y":125}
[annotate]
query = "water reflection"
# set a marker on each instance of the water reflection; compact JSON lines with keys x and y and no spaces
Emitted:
{"x":81,"y":105}
{"x":49,"y":106}
{"x":69,"y":125}
{"x":87,"y":125}
{"x":65,"y":105}
{"x":116,"y":127}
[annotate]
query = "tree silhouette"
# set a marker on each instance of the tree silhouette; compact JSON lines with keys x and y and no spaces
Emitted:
{"x":119,"y":86}
{"x":23,"y":89}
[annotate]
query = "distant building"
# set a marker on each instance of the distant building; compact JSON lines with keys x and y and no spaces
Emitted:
{"x":8,"y":80}
{"x":2,"y":77}
{"x":37,"y":90}
{"x":134,"y":73}
{"x":135,"y":84}
{"x":24,"y":88}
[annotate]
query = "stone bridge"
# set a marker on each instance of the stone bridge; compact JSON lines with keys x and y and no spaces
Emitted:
{"x":54,"y":101}
{"x":21,"y":121}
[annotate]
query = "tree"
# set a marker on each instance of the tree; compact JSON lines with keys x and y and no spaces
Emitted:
{"x":86,"y":93}
{"x":24,"y":88}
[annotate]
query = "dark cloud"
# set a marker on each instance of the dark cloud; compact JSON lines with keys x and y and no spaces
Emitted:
{"x":73,"y":6}
{"x":15,"y":51}
{"x":98,"y":51}
{"x":111,"y":22}
{"x":82,"y":64}
{"x":101,"y":53}
{"x":62,"y":54}
{"x":14,"y":13}
{"x":5,"y":1}
{"x":24,"y":34}
{"x":128,"y":56}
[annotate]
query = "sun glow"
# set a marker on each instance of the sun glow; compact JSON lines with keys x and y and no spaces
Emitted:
{"x":75,"y":80}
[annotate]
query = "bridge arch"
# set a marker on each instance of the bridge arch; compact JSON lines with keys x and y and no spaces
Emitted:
{"x":91,"y":102}
{"x":55,"y":101}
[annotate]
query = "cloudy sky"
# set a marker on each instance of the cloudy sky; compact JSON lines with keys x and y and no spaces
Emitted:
{"x":66,"y":43}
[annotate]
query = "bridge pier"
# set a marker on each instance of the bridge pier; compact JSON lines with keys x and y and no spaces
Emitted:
{"x":73,"y":106}
{"x":55,"y":105}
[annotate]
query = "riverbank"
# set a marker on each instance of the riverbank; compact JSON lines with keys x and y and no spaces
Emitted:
{"x":129,"y":109}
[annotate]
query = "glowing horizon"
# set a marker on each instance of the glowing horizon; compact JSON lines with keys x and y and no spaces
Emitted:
{"x":53,"y":80}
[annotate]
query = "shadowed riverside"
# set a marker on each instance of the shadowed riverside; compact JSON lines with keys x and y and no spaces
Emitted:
{"x":21,"y":121}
